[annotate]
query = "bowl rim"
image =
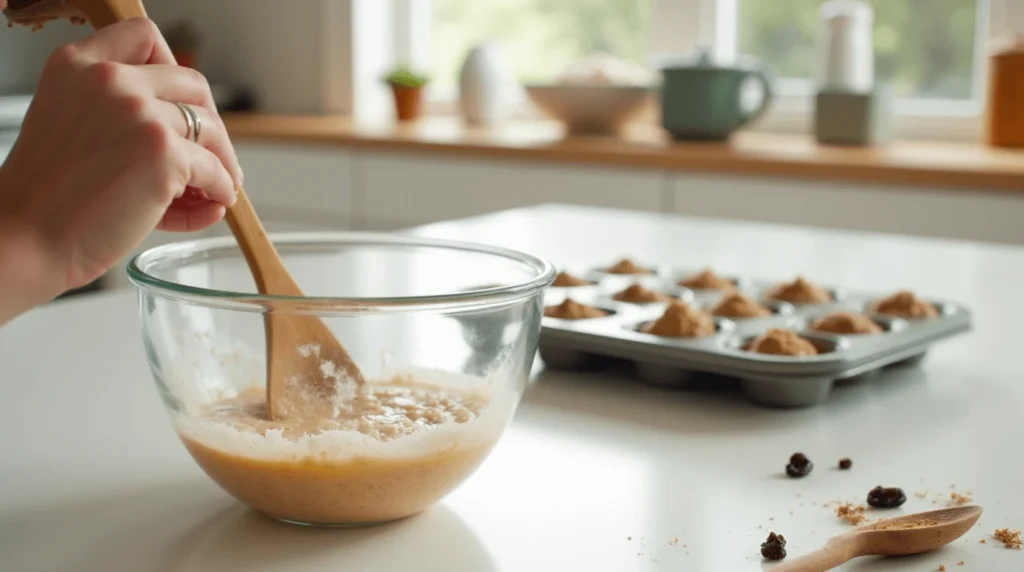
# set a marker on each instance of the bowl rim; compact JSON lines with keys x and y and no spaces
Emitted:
{"x":330,"y":305}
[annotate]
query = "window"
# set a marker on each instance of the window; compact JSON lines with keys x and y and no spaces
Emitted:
{"x":539,"y":38}
{"x":925,"y":49}
{"x":931,"y":52}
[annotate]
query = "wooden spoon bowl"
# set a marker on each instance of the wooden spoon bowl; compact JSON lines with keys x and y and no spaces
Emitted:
{"x":902,"y":536}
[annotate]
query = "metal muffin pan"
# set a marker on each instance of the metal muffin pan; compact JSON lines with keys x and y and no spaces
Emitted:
{"x":774,"y":381}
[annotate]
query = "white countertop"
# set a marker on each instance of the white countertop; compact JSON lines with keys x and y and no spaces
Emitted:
{"x":596,"y":473}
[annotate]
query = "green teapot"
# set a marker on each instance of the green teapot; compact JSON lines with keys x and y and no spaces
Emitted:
{"x":702,"y":101}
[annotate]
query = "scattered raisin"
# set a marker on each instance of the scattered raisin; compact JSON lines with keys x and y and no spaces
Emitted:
{"x":886,"y":497}
{"x":799,"y":466}
{"x":845,"y":464}
{"x":775,"y":547}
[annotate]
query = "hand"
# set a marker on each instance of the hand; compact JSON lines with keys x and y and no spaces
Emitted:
{"x":102,"y":158}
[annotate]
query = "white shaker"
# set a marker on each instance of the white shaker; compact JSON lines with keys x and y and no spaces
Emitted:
{"x":484,"y":86}
{"x":848,"y":50}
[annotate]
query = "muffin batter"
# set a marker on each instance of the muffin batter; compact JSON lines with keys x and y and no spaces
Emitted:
{"x":707,"y":280}
{"x":566,"y":280}
{"x":391,"y":451}
{"x":627,"y":266}
{"x":783,"y":343}
{"x":845,"y":323}
{"x":638,"y":294}
{"x":800,"y":291}
{"x":681,"y":320}
{"x":572,"y":310}
{"x":736,"y":305}
{"x":906,"y":304}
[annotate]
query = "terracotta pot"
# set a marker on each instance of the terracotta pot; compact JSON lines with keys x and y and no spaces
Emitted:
{"x":186,"y":58}
{"x":408,"y":102}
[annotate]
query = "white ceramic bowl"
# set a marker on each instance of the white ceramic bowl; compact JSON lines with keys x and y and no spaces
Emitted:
{"x":591,"y":109}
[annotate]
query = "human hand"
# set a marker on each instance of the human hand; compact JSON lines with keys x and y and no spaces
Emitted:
{"x":102,"y":157}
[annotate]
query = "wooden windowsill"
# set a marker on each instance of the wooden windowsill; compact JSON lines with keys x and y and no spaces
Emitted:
{"x":912,"y":163}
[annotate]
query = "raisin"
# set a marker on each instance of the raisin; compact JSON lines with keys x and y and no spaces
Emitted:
{"x":799,"y":466}
{"x":845,"y":464}
{"x":886,"y":497}
{"x":775,"y":547}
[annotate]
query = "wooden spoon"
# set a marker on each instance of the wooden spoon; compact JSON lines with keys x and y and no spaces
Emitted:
{"x":304,"y":360}
{"x":910,"y":534}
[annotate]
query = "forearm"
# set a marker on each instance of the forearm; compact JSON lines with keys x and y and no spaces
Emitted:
{"x":23,"y":283}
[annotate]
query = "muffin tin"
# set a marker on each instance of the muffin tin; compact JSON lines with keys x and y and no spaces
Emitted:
{"x":769,"y":380}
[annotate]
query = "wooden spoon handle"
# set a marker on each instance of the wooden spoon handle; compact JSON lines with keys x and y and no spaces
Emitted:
{"x":260,"y":254}
{"x":836,"y":552}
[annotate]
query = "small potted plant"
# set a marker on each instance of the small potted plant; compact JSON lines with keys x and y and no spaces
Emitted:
{"x":184,"y":44}
{"x":407,"y":86}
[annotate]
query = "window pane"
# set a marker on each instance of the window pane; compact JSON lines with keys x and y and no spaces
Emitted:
{"x":539,"y":37}
{"x":925,"y":48}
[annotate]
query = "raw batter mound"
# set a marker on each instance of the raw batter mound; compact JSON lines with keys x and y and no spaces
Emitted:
{"x":627,"y":266}
{"x":707,"y":280}
{"x":737,"y":305}
{"x":906,"y":304}
{"x":782,"y":343}
{"x":800,"y":291}
{"x":573,"y":310}
{"x":681,"y":320}
{"x":845,"y":323}
{"x":638,"y":294}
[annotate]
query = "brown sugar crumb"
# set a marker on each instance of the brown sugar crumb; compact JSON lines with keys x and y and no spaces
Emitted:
{"x":960,"y":563}
{"x":566,"y":280}
{"x":638,"y":294}
{"x":898,"y":524}
{"x":851,"y":513}
{"x":680,"y":320}
{"x":942,"y":568}
{"x":958,"y":499}
{"x":707,"y":280}
{"x":573,"y":310}
{"x":982,"y":541}
{"x":627,"y":266}
{"x":673,"y":542}
{"x":1009,"y":537}
{"x":845,"y":464}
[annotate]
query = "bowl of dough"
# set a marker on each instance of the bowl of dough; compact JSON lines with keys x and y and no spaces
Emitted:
{"x":596,"y":95}
{"x":431,"y":400}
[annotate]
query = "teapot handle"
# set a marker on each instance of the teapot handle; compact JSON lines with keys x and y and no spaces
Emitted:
{"x":766,"y":96}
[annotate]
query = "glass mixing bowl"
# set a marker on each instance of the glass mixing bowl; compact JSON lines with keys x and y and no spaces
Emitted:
{"x":444,"y":332}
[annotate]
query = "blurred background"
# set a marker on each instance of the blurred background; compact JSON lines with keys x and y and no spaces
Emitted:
{"x":585,"y":74}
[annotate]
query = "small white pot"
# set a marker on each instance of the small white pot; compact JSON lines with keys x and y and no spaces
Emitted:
{"x":484,"y":86}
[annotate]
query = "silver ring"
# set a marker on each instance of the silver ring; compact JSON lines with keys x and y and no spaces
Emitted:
{"x":192,"y":122}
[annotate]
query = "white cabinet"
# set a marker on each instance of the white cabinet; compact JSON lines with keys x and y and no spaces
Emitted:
{"x":961,"y":214}
{"x":397,"y":190}
{"x":312,"y":182}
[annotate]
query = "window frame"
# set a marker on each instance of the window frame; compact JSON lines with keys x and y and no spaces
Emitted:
{"x":679,"y":26}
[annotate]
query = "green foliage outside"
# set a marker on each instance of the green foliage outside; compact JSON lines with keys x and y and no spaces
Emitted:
{"x":926,"y":48}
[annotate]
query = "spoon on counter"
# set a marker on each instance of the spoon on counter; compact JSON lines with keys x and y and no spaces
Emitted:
{"x":299,"y":348}
{"x":902,"y":536}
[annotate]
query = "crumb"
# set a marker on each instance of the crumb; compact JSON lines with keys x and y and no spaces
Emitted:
{"x":790,"y":513}
{"x":957,"y":499}
{"x":845,"y":464}
{"x":851,"y":513}
{"x":771,"y":518}
{"x":629,"y":538}
{"x":942,"y":568}
{"x":961,"y":563}
{"x":921,"y":494}
{"x":1009,"y":537}
{"x":982,"y":541}
{"x":674,"y":541}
